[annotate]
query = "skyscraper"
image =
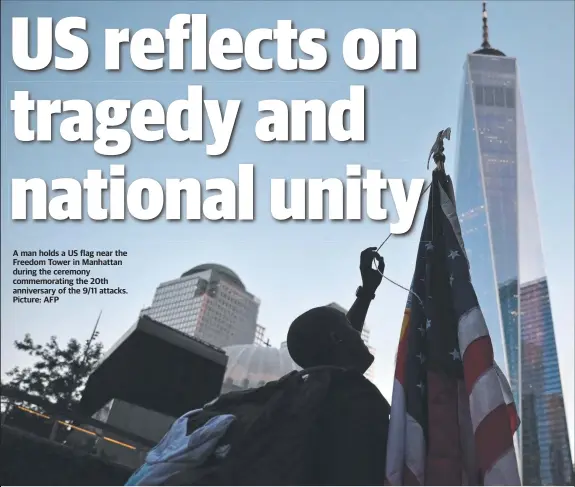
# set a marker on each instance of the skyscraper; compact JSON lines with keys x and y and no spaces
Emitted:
{"x":209,"y":302}
{"x":498,"y":214}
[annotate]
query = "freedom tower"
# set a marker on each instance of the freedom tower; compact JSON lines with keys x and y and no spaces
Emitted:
{"x":498,"y":214}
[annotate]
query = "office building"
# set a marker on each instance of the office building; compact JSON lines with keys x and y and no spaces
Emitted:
{"x":496,"y":206}
{"x":208,"y":302}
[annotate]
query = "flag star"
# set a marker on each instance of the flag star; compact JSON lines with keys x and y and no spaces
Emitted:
{"x":453,"y":254}
{"x":422,"y":279}
{"x":422,"y":330}
{"x":451,"y":279}
{"x":455,"y":354}
{"x":514,"y":313}
{"x":421,"y":357}
{"x":428,"y":325}
{"x":429,"y":246}
{"x":421,"y":386}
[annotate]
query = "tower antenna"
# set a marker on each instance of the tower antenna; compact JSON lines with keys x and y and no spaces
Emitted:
{"x":485,"y":44}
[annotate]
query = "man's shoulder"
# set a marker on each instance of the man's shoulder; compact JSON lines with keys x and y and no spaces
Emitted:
{"x":351,"y":389}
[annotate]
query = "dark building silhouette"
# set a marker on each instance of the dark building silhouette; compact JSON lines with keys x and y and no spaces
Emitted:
{"x":158,"y":368}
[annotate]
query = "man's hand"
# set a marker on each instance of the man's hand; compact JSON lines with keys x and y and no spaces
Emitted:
{"x":371,"y":277}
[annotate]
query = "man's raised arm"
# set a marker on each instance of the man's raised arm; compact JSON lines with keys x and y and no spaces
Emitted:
{"x":371,"y":279}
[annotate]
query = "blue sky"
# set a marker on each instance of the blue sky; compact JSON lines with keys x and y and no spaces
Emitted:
{"x":293,"y":266}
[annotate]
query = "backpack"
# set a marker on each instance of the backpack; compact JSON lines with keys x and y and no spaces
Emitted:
{"x":264,"y":436}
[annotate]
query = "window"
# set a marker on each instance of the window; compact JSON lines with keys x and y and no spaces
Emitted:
{"x":489,"y":96}
{"x":478,"y":94}
{"x":499,"y":97}
{"x":510,"y":97}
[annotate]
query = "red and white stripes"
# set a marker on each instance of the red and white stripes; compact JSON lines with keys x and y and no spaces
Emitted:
{"x":493,"y":414}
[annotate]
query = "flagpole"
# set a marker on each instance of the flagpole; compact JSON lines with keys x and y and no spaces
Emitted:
{"x":87,"y":348}
{"x":439,"y":158}
{"x":90,"y":340}
{"x":92,"y":337}
{"x":437,"y":151}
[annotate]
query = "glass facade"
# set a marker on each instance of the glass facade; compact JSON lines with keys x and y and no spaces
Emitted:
{"x":546,"y":455}
{"x":496,"y":206}
{"x":251,"y":366}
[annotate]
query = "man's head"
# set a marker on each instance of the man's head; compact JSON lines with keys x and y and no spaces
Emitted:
{"x":324,"y":336}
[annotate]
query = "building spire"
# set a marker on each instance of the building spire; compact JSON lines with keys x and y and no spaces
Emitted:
{"x":485,"y":44}
{"x":486,"y":48}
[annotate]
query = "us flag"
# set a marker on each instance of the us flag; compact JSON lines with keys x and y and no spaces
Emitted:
{"x":452,"y":414}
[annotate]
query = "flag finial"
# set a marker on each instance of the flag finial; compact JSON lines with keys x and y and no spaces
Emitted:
{"x":437,"y":150}
{"x":485,"y":44}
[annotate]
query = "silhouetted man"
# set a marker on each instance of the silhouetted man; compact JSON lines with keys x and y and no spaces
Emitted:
{"x":354,"y":423}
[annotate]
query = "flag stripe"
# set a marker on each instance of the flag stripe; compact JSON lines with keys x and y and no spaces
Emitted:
{"x":485,"y":397}
{"x":513,"y":417}
{"x":402,"y":349}
{"x":471,"y":327}
{"x":415,"y":451}
{"x":469,"y":463}
{"x":499,"y":474}
{"x":409,"y":477}
{"x":491,"y":444}
{"x":396,"y":437}
{"x":478,"y":359}
{"x":444,"y":445}
{"x":505,"y":387}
